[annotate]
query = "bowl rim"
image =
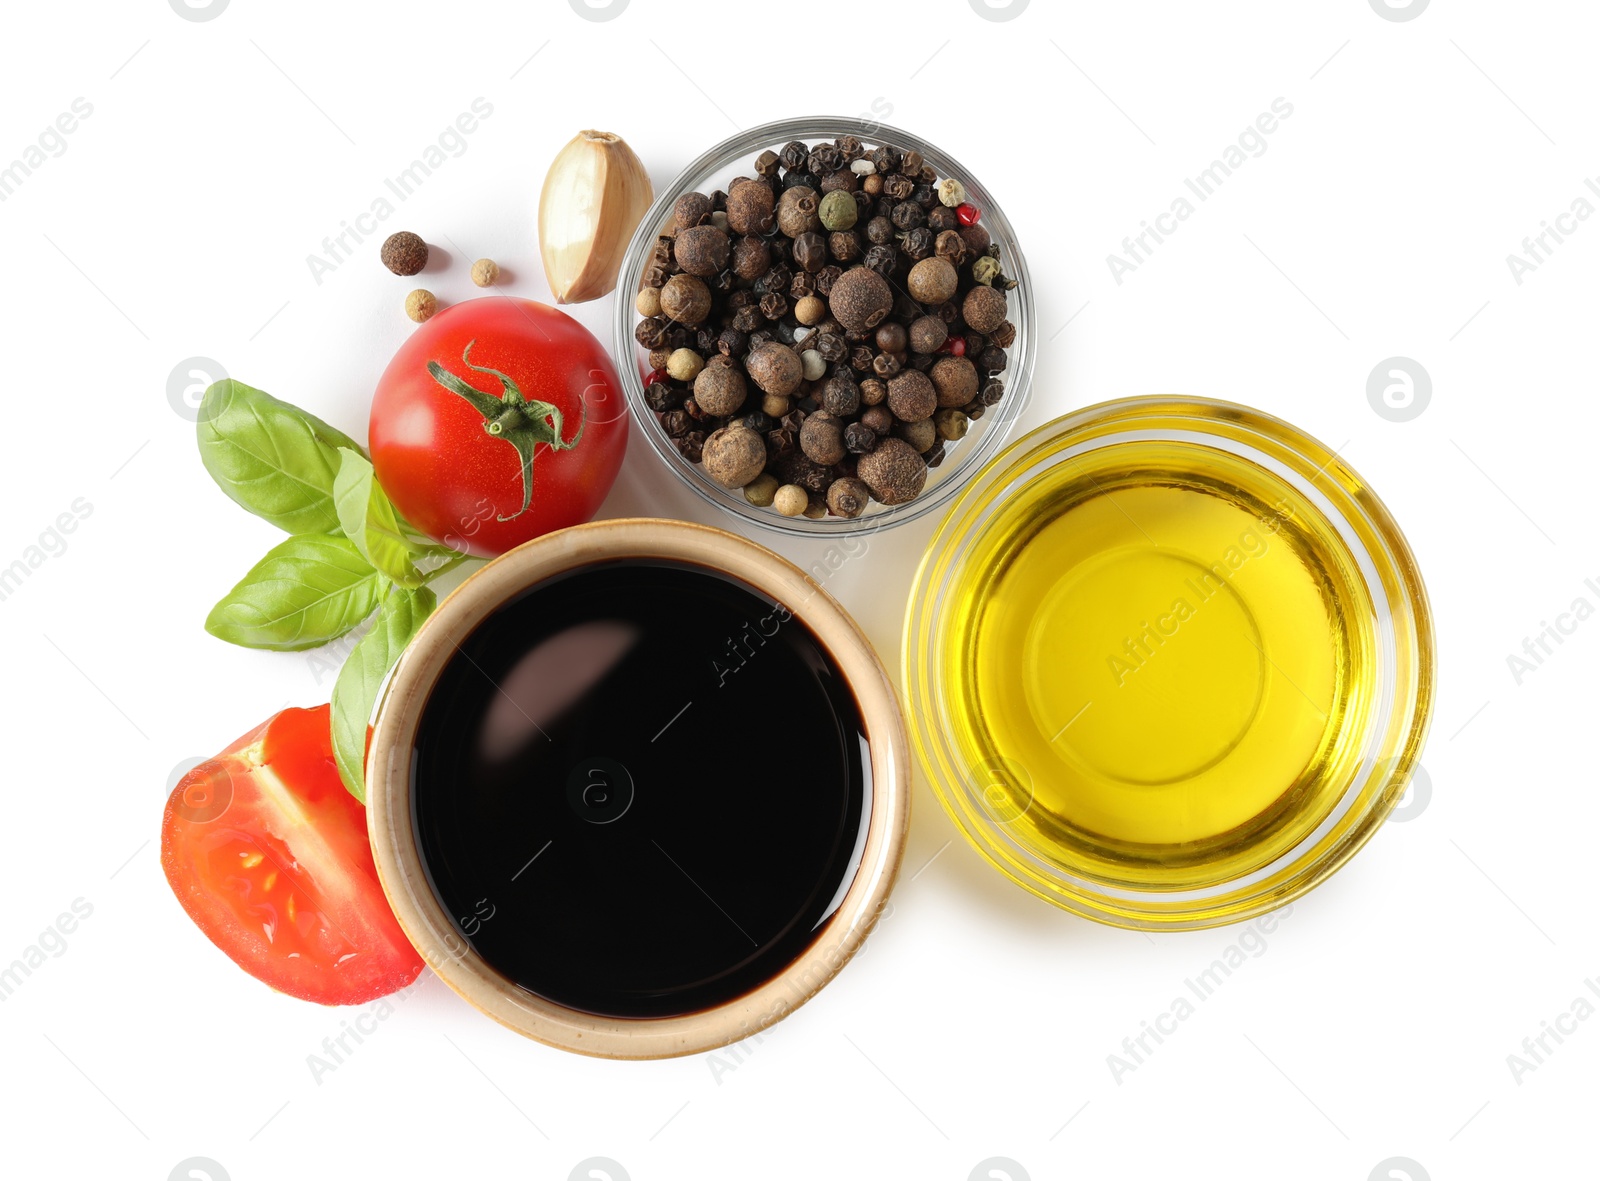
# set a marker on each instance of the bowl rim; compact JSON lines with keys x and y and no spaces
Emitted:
{"x":960,"y":469}
{"x":390,"y":822}
{"x":1402,"y":715}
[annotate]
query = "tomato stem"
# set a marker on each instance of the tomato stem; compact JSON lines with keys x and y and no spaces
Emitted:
{"x":521,"y":421}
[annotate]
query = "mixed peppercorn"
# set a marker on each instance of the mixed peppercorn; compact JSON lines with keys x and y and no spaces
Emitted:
{"x":821,"y":331}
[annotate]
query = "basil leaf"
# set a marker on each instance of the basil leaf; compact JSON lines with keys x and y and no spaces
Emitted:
{"x":368,"y":518}
{"x":272,"y":458}
{"x":308,"y":590}
{"x":356,"y":691}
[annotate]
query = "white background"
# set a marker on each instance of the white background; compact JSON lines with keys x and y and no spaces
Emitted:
{"x":978,"y":1021}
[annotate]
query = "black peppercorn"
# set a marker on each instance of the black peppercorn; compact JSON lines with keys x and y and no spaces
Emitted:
{"x":773,"y":306}
{"x":811,"y":251}
{"x":886,"y":159}
{"x":993,"y":360}
{"x":826,"y":278}
{"x":918,"y":244}
{"x":748,"y":319}
{"x":908,"y":215}
{"x":844,"y":245}
{"x":732,"y":342}
{"x":861,"y":359}
{"x":803,"y":284}
{"x":859,"y":438}
{"x":831,"y":346}
{"x":882,"y":259}
{"x":651,"y":332}
{"x":885,"y":365}
{"x":825,"y":158}
{"x":661,"y":397}
{"x":949,"y":245}
{"x":793,"y":155}
{"x":993,"y":390}
{"x":795,"y":468}
{"x":801,"y":179}
{"x":942,"y":218}
{"x":676,"y":423}
{"x":899,"y":187}
{"x":880,"y":231}
{"x":691,"y":446}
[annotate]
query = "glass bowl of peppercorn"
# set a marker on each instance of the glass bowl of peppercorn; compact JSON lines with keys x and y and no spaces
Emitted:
{"x":831,"y":324}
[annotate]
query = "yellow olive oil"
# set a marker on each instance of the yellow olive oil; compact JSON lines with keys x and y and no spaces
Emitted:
{"x":1162,"y":664}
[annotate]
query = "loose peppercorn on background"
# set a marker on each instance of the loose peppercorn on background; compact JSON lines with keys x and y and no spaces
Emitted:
{"x":1374,"y":219}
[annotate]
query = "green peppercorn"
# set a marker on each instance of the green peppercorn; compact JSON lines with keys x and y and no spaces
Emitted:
{"x":985,"y":270}
{"x":951,"y":424}
{"x":761,"y":490}
{"x":838,"y":210}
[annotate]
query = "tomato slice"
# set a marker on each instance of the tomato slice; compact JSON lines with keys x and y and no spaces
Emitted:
{"x":268,"y":853}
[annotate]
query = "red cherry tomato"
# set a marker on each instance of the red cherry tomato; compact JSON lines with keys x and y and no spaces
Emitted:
{"x":498,"y":421}
{"x":268,"y":854}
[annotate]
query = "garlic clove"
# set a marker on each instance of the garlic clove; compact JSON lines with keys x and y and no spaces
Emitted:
{"x":594,"y":197}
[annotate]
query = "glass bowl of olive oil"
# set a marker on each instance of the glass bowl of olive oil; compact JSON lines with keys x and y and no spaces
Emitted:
{"x":1169,"y":662}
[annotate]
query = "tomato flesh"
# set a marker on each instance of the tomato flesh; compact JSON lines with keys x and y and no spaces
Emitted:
{"x":268,"y":854}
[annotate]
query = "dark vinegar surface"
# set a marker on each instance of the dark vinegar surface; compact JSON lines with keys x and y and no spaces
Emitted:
{"x":640,"y":788}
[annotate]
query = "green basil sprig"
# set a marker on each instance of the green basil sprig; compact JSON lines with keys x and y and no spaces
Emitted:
{"x":273,"y":459}
{"x":369,"y":519}
{"x":356,"y":691}
{"x":351,"y":552}
{"x":308,"y":590}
